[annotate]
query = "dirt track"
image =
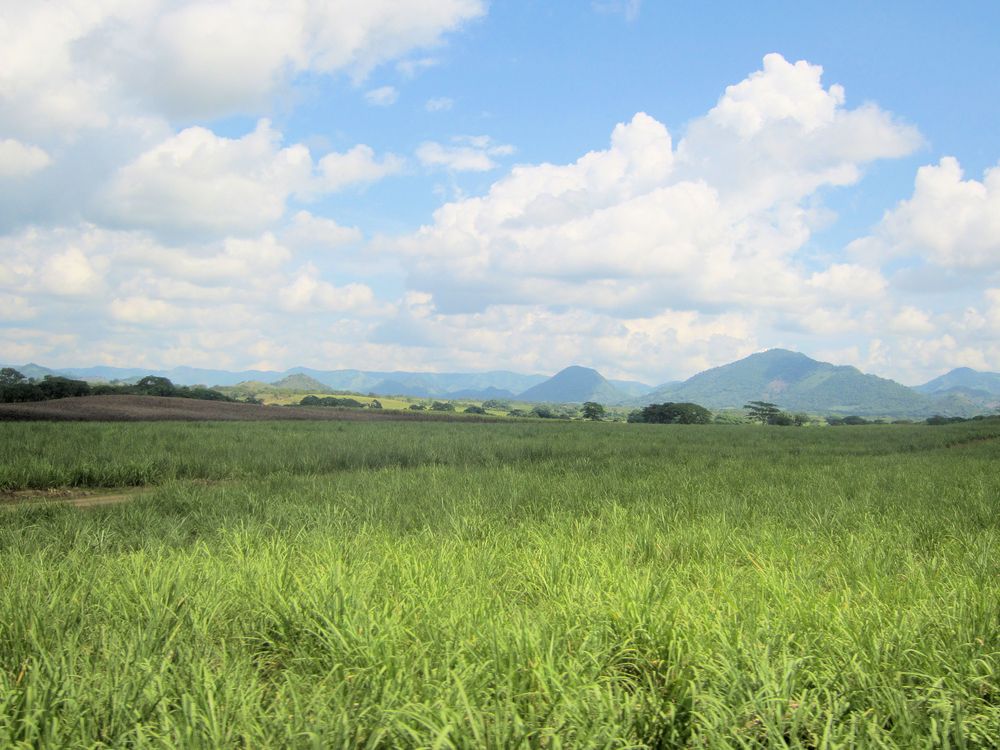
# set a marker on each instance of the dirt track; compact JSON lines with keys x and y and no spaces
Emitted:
{"x":159,"y":408}
{"x":74,"y":497}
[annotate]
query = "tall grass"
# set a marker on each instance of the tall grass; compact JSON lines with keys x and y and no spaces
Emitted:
{"x":504,"y":586}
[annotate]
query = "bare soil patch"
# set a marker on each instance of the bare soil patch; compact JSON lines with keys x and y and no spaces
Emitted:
{"x":76,"y":497}
{"x":162,"y":408}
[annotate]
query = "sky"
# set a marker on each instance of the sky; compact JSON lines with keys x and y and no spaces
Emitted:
{"x":647,"y":188}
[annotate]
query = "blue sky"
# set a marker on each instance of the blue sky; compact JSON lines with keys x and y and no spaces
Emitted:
{"x":646,"y":188}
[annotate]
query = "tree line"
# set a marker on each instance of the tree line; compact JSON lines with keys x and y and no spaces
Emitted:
{"x":15,"y":387}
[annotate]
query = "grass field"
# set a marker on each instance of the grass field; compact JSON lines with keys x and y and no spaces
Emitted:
{"x":502,"y":585}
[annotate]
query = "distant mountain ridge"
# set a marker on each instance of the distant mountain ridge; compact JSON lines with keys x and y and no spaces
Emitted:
{"x":382,"y":383}
{"x":790,"y":379}
{"x":797,"y":382}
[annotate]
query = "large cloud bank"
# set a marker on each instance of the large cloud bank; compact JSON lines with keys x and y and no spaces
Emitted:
{"x":133,"y":236}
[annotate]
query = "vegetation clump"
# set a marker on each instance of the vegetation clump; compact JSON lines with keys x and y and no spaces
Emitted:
{"x":672,"y":413}
{"x":16,"y":388}
{"x":334,"y":401}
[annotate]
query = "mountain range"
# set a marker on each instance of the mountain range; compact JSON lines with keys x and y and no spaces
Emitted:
{"x":790,"y":379}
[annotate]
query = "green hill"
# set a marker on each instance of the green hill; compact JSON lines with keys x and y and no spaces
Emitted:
{"x":963,"y":380}
{"x":300,"y":383}
{"x":574,"y":385}
{"x":795,"y":382}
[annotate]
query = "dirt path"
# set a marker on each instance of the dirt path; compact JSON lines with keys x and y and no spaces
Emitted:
{"x":78,"y":498}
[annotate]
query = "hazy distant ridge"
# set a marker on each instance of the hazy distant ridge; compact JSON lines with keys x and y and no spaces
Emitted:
{"x":790,"y":379}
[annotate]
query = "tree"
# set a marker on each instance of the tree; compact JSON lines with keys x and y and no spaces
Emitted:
{"x":762,"y":411}
{"x":10,"y":376}
{"x":442,"y":406}
{"x":474,"y":410}
{"x":153,"y":385}
{"x":593,"y":411}
{"x":54,"y":386}
{"x":672,"y":413}
{"x":375,"y":404}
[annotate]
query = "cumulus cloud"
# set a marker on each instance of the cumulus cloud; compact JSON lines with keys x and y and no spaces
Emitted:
{"x":308,"y":231}
{"x":208,"y":303}
{"x":16,"y":307}
{"x":846,"y":281}
{"x":73,"y":64}
{"x":19,"y":159}
{"x":949,"y":222}
{"x":196,"y":181}
{"x":144,"y":310}
{"x":465,"y":154}
{"x":308,"y":292}
{"x":643,"y":226}
{"x":71,"y":273}
{"x":359,"y":165}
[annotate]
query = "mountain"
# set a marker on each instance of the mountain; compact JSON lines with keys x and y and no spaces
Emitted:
{"x":631,"y":387}
{"x":796,"y":383}
{"x":300,"y":383}
{"x":963,"y":380}
{"x":574,"y":385}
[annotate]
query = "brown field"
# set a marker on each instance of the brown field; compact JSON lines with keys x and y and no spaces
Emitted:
{"x":161,"y":408}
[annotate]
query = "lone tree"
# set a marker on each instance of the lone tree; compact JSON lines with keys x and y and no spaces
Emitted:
{"x":762,"y":411}
{"x":593,"y":411}
{"x":153,"y":385}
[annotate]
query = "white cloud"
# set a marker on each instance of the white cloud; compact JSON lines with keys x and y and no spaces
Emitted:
{"x":309,"y":293}
{"x":642,"y":227}
{"x":358,"y":165}
{"x":16,"y":307}
{"x":949,"y":222}
{"x":414,"y":66}
{"x":71,"y":273}
{"x":71,"y":64}
{"x":439,"y":104}
{"x":307,"y":230}
{"x":846,"y":281}
{"x":144,"y":310}
{"x":911,"y":320}
{"x":383,"y":96}
{"x":197,"y":181}
{"x":19,"y":159}
{"x":466,"y":154}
